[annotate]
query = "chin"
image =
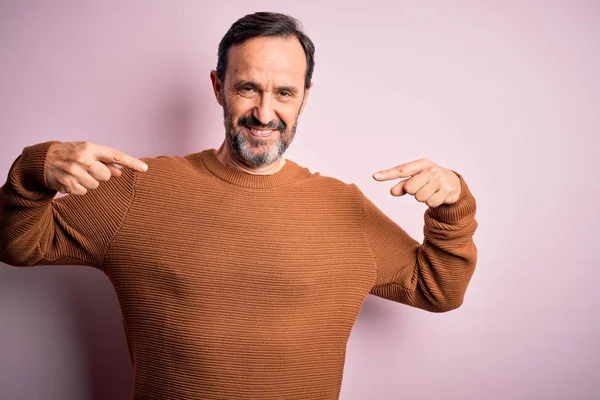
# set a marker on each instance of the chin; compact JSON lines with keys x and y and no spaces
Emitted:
{"x":256,"y":152}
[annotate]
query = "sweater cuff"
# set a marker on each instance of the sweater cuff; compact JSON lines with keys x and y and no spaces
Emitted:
{"x":32,"y":167}
{"x":464,"y":206}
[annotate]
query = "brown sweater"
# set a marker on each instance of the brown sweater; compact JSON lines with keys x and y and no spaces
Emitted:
{"x":232,"y":285}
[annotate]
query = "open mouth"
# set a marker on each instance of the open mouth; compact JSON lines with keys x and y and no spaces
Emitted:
{"x":260,"y":133}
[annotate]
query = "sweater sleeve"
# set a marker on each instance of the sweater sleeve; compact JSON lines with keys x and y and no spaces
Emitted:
{"x":433,"y":275}
{"x":38,"y":229}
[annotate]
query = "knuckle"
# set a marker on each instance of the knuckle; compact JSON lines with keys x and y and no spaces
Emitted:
{"x":70,"y":182}
{"x":70,"y":168}
{"x":117,"y":155}
{"x":102,"y":176}
{"x":100,"y":172}
{"x":62,"y":181}
{"x":86,"y":146}
{"x":80,"y":157}
{"x":107,"y":172}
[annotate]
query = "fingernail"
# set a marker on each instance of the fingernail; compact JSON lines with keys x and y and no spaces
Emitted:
{"x":377,"y":175}
{"x":144,"y":167}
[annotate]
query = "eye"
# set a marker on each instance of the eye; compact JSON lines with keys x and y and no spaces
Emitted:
{"x":284,"y":93}
{"x":248,"y":89}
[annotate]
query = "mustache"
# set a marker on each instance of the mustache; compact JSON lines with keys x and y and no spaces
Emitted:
{"x":253,"y":122}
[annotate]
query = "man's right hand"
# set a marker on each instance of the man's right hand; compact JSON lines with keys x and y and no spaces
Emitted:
{"x":76,"y":167}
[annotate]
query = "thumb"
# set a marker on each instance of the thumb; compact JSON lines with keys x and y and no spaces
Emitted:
{"x":114,"y":170}
{"x":398,"y":189}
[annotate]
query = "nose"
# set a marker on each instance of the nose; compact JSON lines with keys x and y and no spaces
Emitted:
{"x":264,"y":110}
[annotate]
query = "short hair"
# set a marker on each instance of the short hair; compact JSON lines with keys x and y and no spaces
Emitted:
{"x":263,"y":24}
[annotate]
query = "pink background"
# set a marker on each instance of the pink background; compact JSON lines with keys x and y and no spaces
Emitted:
{"x":505,"y":92}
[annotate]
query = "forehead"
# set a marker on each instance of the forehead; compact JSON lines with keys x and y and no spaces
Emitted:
{"x":267,"y":58}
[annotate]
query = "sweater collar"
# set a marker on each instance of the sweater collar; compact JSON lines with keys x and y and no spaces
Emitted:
{"x":289,"y":170}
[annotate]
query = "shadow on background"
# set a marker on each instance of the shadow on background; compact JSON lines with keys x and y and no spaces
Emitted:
{"x":61,"y":335}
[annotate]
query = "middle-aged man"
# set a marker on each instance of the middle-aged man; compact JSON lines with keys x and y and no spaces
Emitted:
{"x":239,"y":273}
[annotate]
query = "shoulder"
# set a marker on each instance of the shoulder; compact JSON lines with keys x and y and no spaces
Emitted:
{"x":328,"y":186}
{"x":167,"y":162}
{"x":169,"y":166}
{"x":317,"y":179}
{"x":167,"y":175}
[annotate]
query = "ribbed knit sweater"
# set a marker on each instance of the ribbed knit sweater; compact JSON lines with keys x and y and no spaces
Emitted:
{"x":234,"y":285}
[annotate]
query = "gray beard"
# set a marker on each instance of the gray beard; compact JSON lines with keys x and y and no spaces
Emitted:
{"x":256,"y":153}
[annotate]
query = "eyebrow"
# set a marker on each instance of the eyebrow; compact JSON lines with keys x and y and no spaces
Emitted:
{"x":241,"y":83}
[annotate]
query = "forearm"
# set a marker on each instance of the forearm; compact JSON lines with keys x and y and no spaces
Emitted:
{"x":25,"y":208}
{"x":433,"y":275}
{"x":447,"y":258}
{"x":77,"y":229}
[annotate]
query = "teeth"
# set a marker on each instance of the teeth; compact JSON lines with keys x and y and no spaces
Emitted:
{"x":261,"y":133}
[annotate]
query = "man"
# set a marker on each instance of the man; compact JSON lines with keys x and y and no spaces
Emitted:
{"x":239,"y":273}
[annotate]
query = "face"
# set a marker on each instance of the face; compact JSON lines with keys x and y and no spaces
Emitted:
{"x":262,"y":97}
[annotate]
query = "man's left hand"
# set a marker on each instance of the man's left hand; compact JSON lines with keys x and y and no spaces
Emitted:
{"x":427,"y":181}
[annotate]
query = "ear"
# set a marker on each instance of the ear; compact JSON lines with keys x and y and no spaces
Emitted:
{"x":305,"y":99}
{"x":217,"y":87}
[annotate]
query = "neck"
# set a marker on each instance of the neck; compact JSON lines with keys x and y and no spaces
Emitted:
{"x":226,"y":158}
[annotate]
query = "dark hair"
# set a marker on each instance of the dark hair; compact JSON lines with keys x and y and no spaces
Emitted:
{"x":265,"y":24}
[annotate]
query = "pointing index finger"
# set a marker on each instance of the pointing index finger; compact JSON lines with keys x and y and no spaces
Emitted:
{"x":112,"y":156}
{"x":401,"y":171}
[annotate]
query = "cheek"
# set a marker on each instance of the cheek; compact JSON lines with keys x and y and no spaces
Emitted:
{"x":237,"y":107}
{"x":289,"y":116}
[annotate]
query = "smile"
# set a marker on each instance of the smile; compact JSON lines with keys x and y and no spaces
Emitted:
{"x":260,"y":133}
